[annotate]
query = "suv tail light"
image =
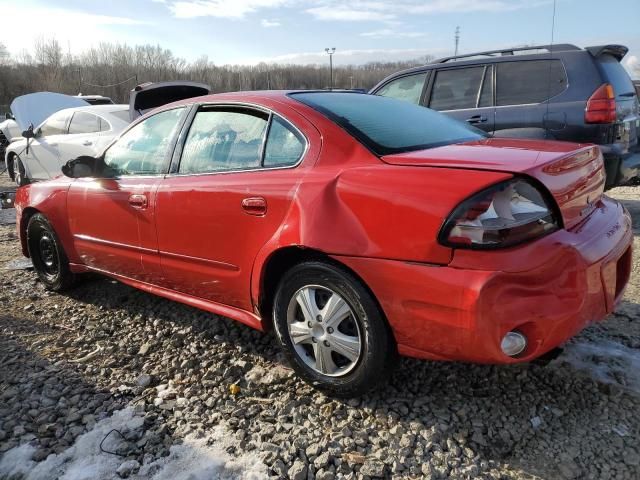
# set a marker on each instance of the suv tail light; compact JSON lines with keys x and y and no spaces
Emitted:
{"x":601,"y":106}
{"x":501,"y":216}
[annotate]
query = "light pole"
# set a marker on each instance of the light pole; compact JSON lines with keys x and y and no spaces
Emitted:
{"x":330,"y":51}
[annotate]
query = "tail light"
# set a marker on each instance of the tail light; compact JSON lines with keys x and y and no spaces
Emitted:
{"x":501,"y":216}
{"x":601,"y":106}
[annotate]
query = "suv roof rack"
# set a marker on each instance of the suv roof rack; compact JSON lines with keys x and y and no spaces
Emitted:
{"x":560,"y":47}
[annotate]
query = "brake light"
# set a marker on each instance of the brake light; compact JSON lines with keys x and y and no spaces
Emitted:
{"x":503,"y":215}
{"x":601,"y":106}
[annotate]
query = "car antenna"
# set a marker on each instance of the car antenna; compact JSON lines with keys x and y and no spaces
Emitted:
{"x":553,"y":28}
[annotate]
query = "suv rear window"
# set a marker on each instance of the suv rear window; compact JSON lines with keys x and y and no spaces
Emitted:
{"x":616,"y":75}
{"x":529,"y":81}
{"x":386,"y":125}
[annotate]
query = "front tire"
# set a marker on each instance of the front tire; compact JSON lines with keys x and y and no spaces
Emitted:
{"x":49,"y":258}
{"x":332,"y":330}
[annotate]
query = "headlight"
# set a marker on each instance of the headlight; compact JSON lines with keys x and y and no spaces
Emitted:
{"x":503,"y":215}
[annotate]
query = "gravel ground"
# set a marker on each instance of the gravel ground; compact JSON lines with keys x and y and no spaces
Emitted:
{"x":192,"y":393}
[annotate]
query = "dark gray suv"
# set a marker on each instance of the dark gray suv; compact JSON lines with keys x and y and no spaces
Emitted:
{"x":559,"y":92}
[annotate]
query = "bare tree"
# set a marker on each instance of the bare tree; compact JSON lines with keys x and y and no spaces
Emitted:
{"x":112,"y":69}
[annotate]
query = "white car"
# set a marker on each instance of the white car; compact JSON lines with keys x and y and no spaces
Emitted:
{"x":65,"y":134}
{"x":58,"y":128}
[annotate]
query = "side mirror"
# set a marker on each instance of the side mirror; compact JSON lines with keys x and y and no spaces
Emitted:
{"x":29,"y":133}
{"x":83,"y":166}
{"x":9,"y":116}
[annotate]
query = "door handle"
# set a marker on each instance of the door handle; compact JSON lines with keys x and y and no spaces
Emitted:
{"x":254,"y":206}
{"x":86,"y":143}
{"x":477,"y":119}
{"x":138,"y":201}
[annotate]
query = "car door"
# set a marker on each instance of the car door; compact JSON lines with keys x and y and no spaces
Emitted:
{"x":227,"y":198}
{"x":522,"y":90}
{"x":112,"y":219}
{"x":464,"y":93}
{"x":41,"y":158}
{"x":83,"y":137}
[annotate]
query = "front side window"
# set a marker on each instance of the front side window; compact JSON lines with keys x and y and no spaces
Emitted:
{"x":529,"y":81}
{"x":220,"y":140}
{"x":56,"y":124}
{"x":405,"y":88}
{"x":386,"y":125}
{"x":456,"y":89}
{"x":143,"y":150}
{"x":83,"y":122}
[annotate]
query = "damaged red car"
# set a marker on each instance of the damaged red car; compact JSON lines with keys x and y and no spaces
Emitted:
{"x":356,"y":226}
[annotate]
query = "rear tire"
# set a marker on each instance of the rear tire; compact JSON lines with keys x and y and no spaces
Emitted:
{"x":332,"y":331}
{"x":49,"y":258}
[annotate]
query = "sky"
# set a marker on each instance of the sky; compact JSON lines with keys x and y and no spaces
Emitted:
{"x":296,"y":31}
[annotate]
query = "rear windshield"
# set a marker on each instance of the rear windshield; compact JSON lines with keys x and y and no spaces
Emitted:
{"x":386,"y":125}
{"x":616,"y":75}
{"x":121,"y":114}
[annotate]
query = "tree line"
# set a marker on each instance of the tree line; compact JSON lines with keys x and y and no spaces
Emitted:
{"x":114,"y":69}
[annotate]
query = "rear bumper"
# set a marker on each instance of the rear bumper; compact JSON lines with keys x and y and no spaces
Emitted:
{"x":549,"y":290}
{"x":621,"y":167}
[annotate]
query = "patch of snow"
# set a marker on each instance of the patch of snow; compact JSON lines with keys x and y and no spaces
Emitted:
{"x":205,"y":459}
{"x":606,"y":361}
{"x":194,"y":459}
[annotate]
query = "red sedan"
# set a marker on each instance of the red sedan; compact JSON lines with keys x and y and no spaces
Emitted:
{"x":357,"y":226}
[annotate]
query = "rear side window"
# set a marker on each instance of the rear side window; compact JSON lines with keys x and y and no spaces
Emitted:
{"x":104,"y":125}
{"x":386,"y":125}
{"x":221,"y":140}
{"x":407,"y":88}
{"x":486,"y":95}
{"x":616,"y":75}
{"x":531,"y":81}
{"x":83,"y":122}
{"x":284,"y":147}
{"x":456,"y":89}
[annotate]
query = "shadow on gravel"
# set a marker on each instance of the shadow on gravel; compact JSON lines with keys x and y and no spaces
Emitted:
{"x":48,"y":405}
{"x":546,"y":420}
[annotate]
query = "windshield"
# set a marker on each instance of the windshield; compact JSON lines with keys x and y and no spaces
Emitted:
{"x":386,"y":125}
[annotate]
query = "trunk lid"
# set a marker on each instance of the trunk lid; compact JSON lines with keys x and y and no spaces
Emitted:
{"x":147,"y":96}
{"x":573,"y":173}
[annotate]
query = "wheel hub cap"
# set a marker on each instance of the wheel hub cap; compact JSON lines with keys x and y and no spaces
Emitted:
{"x":48,"y":254}
{"x":324,"y":330}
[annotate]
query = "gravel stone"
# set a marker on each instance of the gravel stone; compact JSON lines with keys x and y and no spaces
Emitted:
{"x":70,"y":360}
{"x":298,"y":470}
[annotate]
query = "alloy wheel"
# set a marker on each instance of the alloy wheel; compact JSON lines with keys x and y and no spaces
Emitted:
{"x":324,"y":330}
